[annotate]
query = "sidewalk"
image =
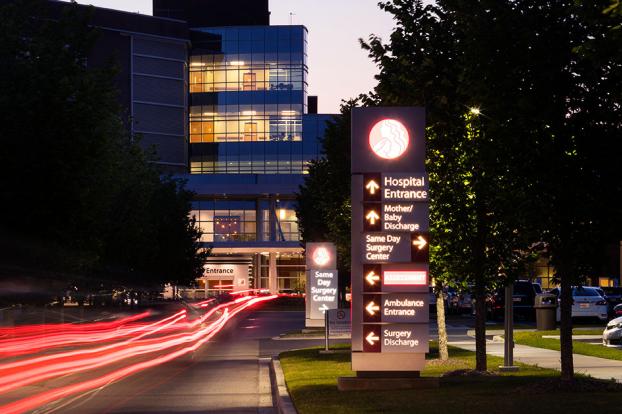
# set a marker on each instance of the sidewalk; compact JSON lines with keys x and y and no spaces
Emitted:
{"x":595,"y":367}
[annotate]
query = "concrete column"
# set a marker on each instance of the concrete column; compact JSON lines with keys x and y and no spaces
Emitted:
{"x":272,"y":274}
{"x":273,"y":219}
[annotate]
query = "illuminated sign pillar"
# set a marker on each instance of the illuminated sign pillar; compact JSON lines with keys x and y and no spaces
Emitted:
{"x":390,"y":221}
{"x":322,"y":282}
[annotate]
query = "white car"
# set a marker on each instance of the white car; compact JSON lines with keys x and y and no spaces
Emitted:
{"x":586,"y":303}
{"x":612,"y":336}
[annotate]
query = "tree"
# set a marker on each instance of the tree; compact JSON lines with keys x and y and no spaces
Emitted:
{"x":324,"y":211}
{"x":72,"y":178}
{"x":474,"y":225}
{"x":533,"y":145}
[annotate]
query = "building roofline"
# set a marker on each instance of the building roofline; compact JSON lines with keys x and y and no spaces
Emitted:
{"x":120,"y":11}
{"x":249,"y":26}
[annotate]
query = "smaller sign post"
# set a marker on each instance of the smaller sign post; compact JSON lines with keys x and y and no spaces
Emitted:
{"x":322,"y":282}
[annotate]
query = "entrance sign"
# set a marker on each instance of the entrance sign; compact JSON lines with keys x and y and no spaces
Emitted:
{"x":236,"y":276}
{"x":322,"y":291}
{"x":390,"y":217}
{"x":404,"y":187}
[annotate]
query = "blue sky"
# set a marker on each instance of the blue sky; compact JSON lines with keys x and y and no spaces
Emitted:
{"x":338,"y":68}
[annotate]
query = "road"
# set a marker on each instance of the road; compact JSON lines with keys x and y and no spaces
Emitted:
{"x":229,"y":374}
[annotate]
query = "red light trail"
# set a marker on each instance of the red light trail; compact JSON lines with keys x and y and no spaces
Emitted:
{"x":168,"y":338}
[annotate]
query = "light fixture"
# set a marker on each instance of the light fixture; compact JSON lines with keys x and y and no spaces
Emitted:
{"x":289,"y":113}
{"x":237,"y":63}
{"x":474,"y":110}
{"x":249,"y":113}
{"x":282,"y":214}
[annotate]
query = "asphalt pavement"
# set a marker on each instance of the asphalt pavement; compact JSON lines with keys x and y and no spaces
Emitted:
{"x":230,"y":374}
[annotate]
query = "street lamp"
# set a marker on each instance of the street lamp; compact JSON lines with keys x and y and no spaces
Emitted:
{"x":474,"y":110}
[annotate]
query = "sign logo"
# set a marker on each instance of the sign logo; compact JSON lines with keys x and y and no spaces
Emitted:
{"x":321,"y":256}
{"x":389,"y":139}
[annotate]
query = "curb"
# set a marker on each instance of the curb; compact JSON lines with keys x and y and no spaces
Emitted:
{"x":282,"y":401}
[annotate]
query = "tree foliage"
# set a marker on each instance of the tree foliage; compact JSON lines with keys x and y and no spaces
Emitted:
{"x":324,"y":209}
{"x":71,"y":174}
{"x":537,"y":164}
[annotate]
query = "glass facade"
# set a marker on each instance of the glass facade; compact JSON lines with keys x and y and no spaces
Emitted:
{"x":248,"y":88}
{"x":290,"y":272}
{"x":262,"y":220}
{"x":251,"y":141}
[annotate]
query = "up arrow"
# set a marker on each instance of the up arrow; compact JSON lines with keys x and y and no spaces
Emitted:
{"x":372,"y":216}
{"x":372,"y":186}
{"x":372,"y":308}
{"x":420,"y":242}
{"x":372,"y":278}
{"x":371,"y":339}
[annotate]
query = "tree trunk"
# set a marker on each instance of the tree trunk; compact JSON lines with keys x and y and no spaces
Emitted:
{"x":565,"y":328}
{"x":440,"y":321}
{"x":481,"y":363}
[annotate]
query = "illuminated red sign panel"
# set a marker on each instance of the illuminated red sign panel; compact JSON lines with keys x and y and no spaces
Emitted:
{"x":389,"y":139}
{"x":405,"y":278}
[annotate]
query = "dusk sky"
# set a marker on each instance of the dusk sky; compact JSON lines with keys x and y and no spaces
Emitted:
{"x":338,"y":67}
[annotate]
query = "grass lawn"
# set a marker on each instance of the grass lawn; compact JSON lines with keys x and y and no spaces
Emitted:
{"x":312,"y":381}
{"x":536,"y":339}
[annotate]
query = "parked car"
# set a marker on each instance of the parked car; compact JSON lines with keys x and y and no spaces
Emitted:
{"x":447,"y":295}
{"x":586,"y":303}
{"x":432,"y":299}
{"x":523,"y":300}
{"x":613,"y":295}
{"x":459,"y":302}
{"x":617,"y":310}
{"x":612,"y":336}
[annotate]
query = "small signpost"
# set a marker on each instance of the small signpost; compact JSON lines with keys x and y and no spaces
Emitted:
{"x":390,"y":248}
{"x":322,"y":282}
{"x":338,"y":322}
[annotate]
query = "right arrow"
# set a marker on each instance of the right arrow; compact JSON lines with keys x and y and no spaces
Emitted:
{"x":372,"y":278}
{"x":420,"y":242}
{"x":371,"y":339}
{"x":372,"y":308}
{"x":372,"y":186}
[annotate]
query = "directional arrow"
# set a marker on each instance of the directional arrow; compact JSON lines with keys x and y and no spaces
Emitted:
{"x":371,"y":339}
{"x":372,"y":216}
{"x":420,"y":242}
{"x":372,"y":308}
{"x":372,"y":278}
{"x":323,"y":308}
{"x":372,"y":186}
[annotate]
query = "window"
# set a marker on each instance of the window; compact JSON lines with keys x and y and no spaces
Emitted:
{"x":219,"y":73}
{"x":290,"y":271}
{"x":226,"y":220}
{"x":246,"y":123}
